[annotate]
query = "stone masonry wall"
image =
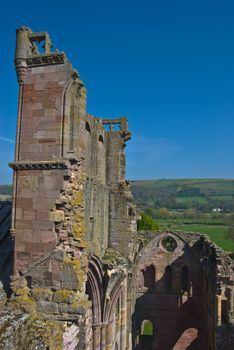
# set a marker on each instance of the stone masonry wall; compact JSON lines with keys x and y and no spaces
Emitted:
{"x":71,"y":204}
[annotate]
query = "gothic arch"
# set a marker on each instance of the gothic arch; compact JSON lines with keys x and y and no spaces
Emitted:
{"x":149,"y":276}
{"x":95,"y":288}
{"x":69,"y":124}
{"x":112,"y":299}
{"x":116,"y":294}
{"x":147,"y":328}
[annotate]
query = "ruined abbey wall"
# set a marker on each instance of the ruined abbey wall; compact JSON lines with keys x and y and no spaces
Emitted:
{"x":55,"y":135}
{"x":182,"y":293}
{"x":72,"y":209}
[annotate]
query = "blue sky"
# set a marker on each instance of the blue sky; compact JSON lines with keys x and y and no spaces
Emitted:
{"x":168,"y":65}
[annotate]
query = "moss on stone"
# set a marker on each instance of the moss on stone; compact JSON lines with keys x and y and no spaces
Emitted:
{"x":78,"y":231}
{"x":79,"y":216}
{"x":22,"y":299}
{"x":79,"y":269}
{"x":46,"y":332}
{"x":42,"y":294}
{"x":79,"y":306}
{"x":65,"y":296}
{"x":77,"y":199}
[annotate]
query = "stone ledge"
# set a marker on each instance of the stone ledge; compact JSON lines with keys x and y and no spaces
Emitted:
{"x":49,"y":59}
{"x":39,"y":165}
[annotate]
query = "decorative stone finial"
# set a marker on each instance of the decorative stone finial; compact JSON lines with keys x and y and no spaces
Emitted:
{"x":21,"y":69}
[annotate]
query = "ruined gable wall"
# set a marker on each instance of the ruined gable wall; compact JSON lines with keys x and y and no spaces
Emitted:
{"x":170,"y":301}
{"x":206,"y":306}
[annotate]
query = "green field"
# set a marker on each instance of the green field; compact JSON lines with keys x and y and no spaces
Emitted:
{"x":217,"y":233}
{"x":188,"y":199}
{"x":187,"y":205}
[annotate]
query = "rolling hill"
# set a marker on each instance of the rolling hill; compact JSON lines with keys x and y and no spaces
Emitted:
{"x":189,"y":205}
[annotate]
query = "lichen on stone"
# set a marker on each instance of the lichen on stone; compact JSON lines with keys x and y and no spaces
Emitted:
{"x":42,"y":294}
{"x":65,"y":296}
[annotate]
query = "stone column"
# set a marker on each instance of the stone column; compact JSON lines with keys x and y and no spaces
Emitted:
{"x":230,"y":301}
{"x":96,"y":337}
{"x":219,"y":309}
{"x":109,"y":336}
{"x":22,"y":42}
{"x":123,"y":317}
{"x":103,"y":336}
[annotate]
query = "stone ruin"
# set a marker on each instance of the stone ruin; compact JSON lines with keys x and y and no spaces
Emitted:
{"x":82,"y":277}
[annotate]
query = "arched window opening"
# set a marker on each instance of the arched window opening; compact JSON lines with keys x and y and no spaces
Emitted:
{"x":184,"y":279}
{"x":168,"y":278}
{"x":87,"y":127}
{"x":147,"y":328}
{"x":149,"y":277}
{"x":100,"y":139}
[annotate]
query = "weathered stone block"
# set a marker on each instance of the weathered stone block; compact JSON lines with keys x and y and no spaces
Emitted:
{"x":79,"y":307}
{"x":57,"y":215}
{"x":42,"y":294}
{"x":47,"y":307}
{"x":65,"y":296}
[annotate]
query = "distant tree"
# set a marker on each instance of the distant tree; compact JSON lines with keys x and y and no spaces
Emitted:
{"x":147,"y":223}
{"x":149,"y":211}
{"x":162,"y":213}
{"x":190,"y":213}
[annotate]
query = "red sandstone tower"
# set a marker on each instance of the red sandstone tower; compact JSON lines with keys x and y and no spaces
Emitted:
{"x":71,"y":204}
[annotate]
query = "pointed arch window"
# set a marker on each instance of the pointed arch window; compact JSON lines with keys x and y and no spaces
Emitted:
{"x":149,"y":277}
{"x":147,"y":328}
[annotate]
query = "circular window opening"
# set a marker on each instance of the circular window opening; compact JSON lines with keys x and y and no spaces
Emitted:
{"x":169,"y":243}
